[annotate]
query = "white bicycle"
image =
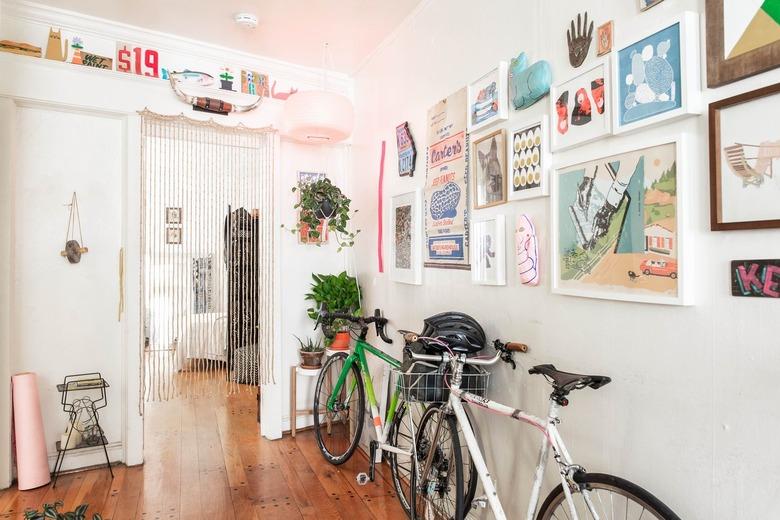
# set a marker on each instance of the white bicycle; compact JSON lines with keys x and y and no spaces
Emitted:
{"x":439,"y":478}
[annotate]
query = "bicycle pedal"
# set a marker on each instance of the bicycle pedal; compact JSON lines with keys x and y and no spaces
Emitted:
{"x":479,"y":503}
{"x":362,"y":478}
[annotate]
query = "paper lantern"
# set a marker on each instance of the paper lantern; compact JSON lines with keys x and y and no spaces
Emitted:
{"x":317,"y":117}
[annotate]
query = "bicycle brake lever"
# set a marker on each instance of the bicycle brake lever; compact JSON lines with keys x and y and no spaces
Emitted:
{"x":506,"y":357}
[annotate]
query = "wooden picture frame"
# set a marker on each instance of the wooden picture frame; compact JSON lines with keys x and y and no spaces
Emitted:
{"x":717,"y":221}
{"x":720,"y":70}
{"x":482,"y":157}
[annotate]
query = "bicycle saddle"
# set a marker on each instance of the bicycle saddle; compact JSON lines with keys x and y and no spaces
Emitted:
{"x":566,"y":381}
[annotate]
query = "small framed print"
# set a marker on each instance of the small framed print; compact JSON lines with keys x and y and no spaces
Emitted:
{"x":406,"y":246}
{"x":656,"y":74}
{"x":528,"y":161}
{"x":488,"y":251}
{"x":488,"y":161}
{"x":173,"y":235}
{"x":488,"y":98}
{"x":580,"y":108}
{"x":744,"y":149}
{"x":604,"y":38}
{"x":173,"y":215}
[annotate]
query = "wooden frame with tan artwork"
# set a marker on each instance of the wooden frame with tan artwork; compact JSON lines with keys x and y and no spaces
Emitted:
{"x":747,"y":56}
{"x":743,"y":184}
{"x":488,"y":164}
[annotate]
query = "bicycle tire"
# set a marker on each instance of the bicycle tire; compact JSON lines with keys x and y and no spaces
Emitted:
{"x":359,"y":413}
{"x":615,"y":485}
{"x":441,"y":461}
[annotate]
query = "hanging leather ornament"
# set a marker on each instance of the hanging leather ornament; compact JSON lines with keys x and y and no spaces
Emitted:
{"x":73,"y":248}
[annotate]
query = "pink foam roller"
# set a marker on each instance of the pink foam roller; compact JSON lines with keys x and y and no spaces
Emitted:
{"x":32,"y":461}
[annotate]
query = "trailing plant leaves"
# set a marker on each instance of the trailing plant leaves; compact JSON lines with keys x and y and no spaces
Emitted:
{"x":311,"y":198}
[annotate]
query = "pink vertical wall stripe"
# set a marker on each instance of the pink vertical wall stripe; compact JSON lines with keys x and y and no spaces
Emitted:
{"x":379,"y":209}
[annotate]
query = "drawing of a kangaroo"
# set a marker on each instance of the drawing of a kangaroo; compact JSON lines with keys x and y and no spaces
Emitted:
{"x":491,"y":168}
{"x":55,"y":49}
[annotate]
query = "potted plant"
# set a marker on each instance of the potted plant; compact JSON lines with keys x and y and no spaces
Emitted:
{"x":336,"y":293}
{"x":311,"y":353}
{"x":319,"y":201}
{"x":50,"y":511}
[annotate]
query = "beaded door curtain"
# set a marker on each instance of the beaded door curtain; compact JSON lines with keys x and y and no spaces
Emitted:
{"x":207,"y":267}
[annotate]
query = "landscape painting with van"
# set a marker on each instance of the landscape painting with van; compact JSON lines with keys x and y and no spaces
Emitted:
{"x":617,"y":226}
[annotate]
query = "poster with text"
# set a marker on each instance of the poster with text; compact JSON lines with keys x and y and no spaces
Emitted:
{"x":446,"y":185}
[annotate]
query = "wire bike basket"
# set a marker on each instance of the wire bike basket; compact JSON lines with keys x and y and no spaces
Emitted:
{"x":427,"y":383}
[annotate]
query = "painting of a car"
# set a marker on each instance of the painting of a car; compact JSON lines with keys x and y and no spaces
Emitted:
{"x":659,"y":268}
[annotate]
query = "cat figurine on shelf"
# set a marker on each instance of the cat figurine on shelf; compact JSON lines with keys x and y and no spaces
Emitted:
{"x":55,"y":50}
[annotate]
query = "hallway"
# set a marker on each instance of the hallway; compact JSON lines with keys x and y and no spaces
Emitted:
{"x":206,"y":460}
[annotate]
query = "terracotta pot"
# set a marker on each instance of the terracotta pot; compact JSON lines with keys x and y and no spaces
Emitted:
{"x":311,"y":359}
{"x":341,"y":341}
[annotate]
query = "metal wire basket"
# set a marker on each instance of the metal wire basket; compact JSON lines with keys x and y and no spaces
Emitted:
{"x":427,"y":383}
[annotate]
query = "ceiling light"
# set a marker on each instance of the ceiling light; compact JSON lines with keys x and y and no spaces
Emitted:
{"x":247,"y":20}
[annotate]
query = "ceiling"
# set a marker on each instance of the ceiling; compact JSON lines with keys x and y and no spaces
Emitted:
{"x":288,"y":30}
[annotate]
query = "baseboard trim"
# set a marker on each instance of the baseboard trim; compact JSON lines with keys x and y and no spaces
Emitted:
{"x":89,"y":457}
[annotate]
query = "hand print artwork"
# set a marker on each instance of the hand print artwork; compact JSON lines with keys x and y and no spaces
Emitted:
{"x":649,"y":76}
{"x":489,"y":170}
{"x":578,"y":40}
{"x":580,"y":108}
{"x":616,"y":231}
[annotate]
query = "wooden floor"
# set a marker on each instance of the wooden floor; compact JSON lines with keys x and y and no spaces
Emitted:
{"x":206,"y":460}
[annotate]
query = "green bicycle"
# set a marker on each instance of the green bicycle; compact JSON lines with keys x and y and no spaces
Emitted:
{"x":340,"y":406}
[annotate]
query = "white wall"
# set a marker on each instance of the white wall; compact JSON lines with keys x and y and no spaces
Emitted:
{"x":82,"y":90}
{"x":688,"y":414}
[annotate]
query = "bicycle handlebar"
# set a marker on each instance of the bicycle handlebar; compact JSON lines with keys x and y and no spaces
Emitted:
{"x":503,"y":352}
{"x":364,"y":321}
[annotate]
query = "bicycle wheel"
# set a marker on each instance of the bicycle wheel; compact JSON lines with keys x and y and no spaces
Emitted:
{"x":611,"y":498}
{"x":338,"y":430}
{"x":400,"y":467}
{"x":440,"y":494}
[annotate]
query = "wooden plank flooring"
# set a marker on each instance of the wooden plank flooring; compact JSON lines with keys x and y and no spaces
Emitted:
{"x":205,"y":459}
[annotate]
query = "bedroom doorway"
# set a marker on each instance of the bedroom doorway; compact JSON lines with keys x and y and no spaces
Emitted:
{"x":207,"y":243}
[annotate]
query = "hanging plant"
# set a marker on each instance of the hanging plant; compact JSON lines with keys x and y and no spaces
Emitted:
{"x":322,"y":200}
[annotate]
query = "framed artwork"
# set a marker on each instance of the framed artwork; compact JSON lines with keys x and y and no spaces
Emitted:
{"x":604,"y":38}
{"x":580,"y":108}
{"x":743,"y":39}
{"x":644,"y":5}
{"x":617,"y":230}
{"x":173,"y":235}
{"x":447,"y":211}
{"x":744,"y":188}
{"x":407,"y":153}
{"x":173,"y":215}
{"x":488,"y":98}
{"x":488,"y":251}
{"x":528,"y":159}
{"x":652,"y":83}
{"x":304,"y":237}
{"x":489,"y":166}
{"x":406,"y":246}
{"x":755,"y":278}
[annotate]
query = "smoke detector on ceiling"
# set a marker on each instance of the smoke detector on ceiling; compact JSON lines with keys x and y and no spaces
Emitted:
{"x":247,"y":20}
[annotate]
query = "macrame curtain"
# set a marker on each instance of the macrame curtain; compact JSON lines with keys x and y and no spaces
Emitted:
{"x":207,"y":266}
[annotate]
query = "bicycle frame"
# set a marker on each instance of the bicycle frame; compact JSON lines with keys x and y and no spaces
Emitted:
{"x":359,"y":356}
{"x":551,"y":439}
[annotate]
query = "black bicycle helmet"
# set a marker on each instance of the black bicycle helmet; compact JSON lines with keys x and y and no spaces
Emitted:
{"x":460,"y":331}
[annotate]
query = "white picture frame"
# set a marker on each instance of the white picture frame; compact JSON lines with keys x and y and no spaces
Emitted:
{"x":488,"y":250}
{"x":496,"y":80}
{"x":682,"y":60}
{"x":406,"y":238}
{"x":599,"y":124}
{"x":533,"y":160}
{"x":684,"y":253}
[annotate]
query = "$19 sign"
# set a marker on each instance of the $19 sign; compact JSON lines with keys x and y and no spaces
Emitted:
{"x":137,"y":60}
